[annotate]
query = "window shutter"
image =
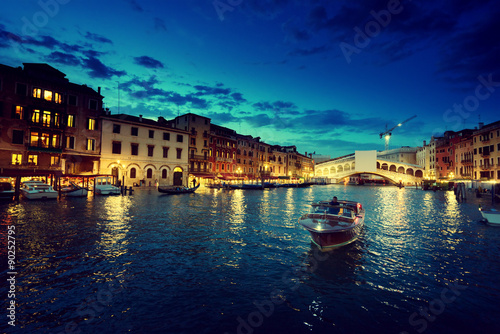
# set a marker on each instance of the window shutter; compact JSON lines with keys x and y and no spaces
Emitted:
{"x":13,"y":114}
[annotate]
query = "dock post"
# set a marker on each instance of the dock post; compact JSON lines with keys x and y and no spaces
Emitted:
{"x":16,"y":188}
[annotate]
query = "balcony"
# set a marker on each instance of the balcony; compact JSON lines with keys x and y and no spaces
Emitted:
{"x":485,"y":167}
{"x":198,"y":157}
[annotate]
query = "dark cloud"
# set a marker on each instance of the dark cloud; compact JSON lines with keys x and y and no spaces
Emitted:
{"x":159,"y":24}
{"x":206,"y":90}
{"x":97,"y":38}
{"x":274,"y":106}
{"x":98,"y":70}
{"x":148,"y":62}
{"x":63,"y":58}
{"x":135,"y":6}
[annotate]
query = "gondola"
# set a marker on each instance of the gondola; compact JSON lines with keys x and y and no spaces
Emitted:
{"x":172,"y":190}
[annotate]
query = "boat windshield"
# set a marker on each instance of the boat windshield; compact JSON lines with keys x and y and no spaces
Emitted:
{"x":332,"y":210}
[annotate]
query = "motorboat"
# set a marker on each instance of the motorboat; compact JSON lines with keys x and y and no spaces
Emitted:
{"x":492,"y":217}
{"x":333,"y":225}
{"x":74,"y":190}
{"x":37,"y":190}
{"x":6,"y":191}
{"x":103,"y":186}
{"x":173,"y":190}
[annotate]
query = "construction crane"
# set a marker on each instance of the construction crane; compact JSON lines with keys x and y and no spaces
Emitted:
{"x":388,"y":133}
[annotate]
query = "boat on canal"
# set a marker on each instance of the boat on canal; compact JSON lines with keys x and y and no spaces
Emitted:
{"x":492,"y":217}
{"x":173,"y":190}
{"x":74,"y":190}
{"x":37,"y":190}
{"x":333,"y":226}
{"x":103,"y":186}
{"x":6,"y":191}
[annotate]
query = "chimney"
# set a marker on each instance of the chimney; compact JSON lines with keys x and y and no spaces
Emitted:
{"x":99,"y":90}
{"x":140,"y":118}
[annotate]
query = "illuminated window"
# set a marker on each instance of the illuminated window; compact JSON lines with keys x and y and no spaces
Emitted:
{"x":70,"y":142}
{"x":33,"y":159}
{"x":46,"y":118}
{"x":90,"y":144}
{"x":47,"y":95}
{"x":35,"y":117}
{"x":91,"y":124}
{"x":71,"y":121}
{"x":57,"y":98}
{"x":37,"y":92}
{"x":56,"y":139}
{"x":34,"y":139}
{"x":18,"y":112}
{"x":17,"y":158}
{"x":56,"y":119}
{"x":54,"y":161}
{"x":45,"y":140}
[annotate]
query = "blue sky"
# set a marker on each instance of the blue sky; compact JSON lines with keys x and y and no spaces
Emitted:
{"x":326,"y":76}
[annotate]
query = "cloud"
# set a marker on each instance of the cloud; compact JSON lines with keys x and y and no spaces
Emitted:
{"x":63,"y":58}
{"x":135,"y":6}
{"x":97,"y":38}
{"x":148,"y":62}
{"x":159,"y":24}
{"x":98,"y":70}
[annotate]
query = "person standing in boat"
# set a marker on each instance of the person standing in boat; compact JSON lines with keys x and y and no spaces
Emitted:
{"x":335,"y":210}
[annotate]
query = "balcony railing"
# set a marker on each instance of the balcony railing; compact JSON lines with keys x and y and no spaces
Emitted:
{"x":485,"y":167}
{"x":198,"y":157}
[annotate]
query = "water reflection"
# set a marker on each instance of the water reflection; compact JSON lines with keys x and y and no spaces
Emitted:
{"x":216,"y":252}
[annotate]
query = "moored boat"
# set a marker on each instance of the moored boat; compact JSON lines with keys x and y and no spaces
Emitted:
{"x":492,"y":217}
{"x":37,"y":190}
{"x":74,"y":190}
{"x":6,"y":191}
{"x":173,"y":190}
{"x":334,"y":225}
{"x":103,"y":186}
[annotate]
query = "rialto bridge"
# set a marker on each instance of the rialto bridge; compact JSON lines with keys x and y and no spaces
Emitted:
{"x":366,"y":162}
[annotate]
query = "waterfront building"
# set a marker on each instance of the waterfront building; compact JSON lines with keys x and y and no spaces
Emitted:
{"x":223,"y":149}
{"x":140,"y":151}
{"x":49,"y":125}
{"x":199,"y":137}
{"x":486,"y":151}
{"x":278,"y":162}
{"x":464,"y":153}
{"x":247,"y":156}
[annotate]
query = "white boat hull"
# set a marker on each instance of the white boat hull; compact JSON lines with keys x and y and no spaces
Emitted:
{"x":40,"y":194}
{"x":76,"y":193}
{"x":491,"y":217}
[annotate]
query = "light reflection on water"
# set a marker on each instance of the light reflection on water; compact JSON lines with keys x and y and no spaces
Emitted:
{"x":197,"y":262}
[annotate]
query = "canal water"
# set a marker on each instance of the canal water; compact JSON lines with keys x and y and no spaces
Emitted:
{"x":239,"y":262}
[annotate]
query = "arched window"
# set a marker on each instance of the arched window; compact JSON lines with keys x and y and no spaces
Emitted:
{"x":149,"y":173}
{"x":164,"y":174}
{"x":133,"y":173}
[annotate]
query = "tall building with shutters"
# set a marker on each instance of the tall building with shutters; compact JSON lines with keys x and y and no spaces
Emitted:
{"x":47,"y":124}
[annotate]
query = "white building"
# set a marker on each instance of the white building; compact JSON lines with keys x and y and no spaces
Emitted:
{"x":142,"y":151}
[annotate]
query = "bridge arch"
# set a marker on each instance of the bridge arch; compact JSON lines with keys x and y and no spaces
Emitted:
{"x":401,"y":170}
{"x":347,"y":167}
{"x":409,"y":171}
{"x":392,"y":168}
{"x":339,"y":169}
